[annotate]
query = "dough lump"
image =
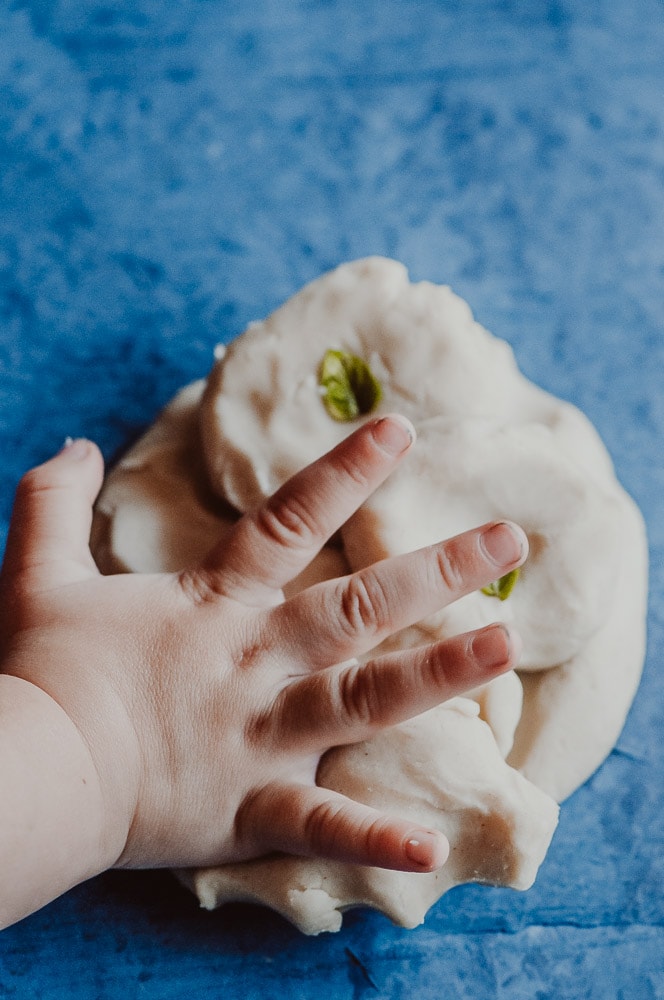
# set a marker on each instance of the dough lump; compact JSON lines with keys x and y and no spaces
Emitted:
{"x":491,"y":445}
{"x":489,"y":768}
{"x":156,"y":512}
{"x":442,"y":769}
{"x":262,"y":417}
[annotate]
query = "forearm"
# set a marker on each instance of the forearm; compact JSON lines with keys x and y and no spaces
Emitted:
{"x":52,"y":831}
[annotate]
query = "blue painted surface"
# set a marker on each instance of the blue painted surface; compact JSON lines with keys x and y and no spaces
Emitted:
{"x":172,"y":169}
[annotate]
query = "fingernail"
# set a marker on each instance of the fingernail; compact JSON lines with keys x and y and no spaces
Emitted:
{"x":504,"y":543}
{"x":427,"y":849}
{"x":394,"y":434}
{"x":493,"y":646}
{"x":75,"y":448}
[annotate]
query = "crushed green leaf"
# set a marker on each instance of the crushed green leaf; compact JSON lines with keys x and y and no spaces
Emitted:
{"x":350,"y":389}
{"x":502,"y":588}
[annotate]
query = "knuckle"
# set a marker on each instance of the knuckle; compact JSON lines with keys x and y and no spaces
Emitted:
{"x":287,"y":522}
{"x":371,"y":835}
{"x":34,"y":481}
{"x":436,"y":666}
{"x":200,"y":587}
{"x":323,"y":827}
{"x":353,"y":471}
{"x":359,"y":697}
{"x":267,"y":727}
{"x":364,"y":607}
{"x":450,"y":568}
{"x":341,"y":830}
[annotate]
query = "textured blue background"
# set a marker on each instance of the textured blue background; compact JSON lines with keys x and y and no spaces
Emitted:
{"x":170,"y":171}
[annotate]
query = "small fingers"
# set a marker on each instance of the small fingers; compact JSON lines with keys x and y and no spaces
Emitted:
{"x":314,"y":822}
{"x":347,"y":704}
{"x":272,"y":544}
{"x":345,"y":618}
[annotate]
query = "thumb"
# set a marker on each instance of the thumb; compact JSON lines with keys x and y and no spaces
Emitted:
{"x":49,"y":531}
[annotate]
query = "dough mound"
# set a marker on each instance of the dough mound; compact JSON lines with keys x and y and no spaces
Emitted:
{"x":489,"y":768}
{"x":442,"y":769}
{"x":156,"y":513}
{"x":262,"y":417}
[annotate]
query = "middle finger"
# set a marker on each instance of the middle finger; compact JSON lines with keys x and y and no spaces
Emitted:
{"x":348,"y":703}
{"x":344,"y":618}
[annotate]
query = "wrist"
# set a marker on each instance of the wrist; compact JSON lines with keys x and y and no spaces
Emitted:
{"x":56,"y":831}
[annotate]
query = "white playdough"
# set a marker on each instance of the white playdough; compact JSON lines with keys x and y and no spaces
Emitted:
{"x":579,"y":604}
{"x":443,"y":770}
{"x":262,"y":417}
{"x":156,"y":512}
{"x":491,"y":445}
{"x":466,"y":472}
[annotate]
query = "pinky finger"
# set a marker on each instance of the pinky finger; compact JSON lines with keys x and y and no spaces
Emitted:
{"x":315,"y":822}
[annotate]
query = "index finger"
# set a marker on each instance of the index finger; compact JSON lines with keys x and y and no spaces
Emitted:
{"x":274,"y":543}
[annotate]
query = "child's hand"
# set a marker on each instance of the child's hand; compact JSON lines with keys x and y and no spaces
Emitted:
{"x":203,"y":701}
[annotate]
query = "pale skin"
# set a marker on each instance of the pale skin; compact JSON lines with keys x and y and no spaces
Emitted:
{"x":178,"y":720}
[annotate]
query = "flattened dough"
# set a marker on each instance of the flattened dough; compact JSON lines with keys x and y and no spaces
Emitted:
{"x":156,"y":512}
{"x":486,"y":769}
{"x":442,"y":769}
{"x":445,"y":768}
{"x":465,"y":473}
{"x":491,"y":445}
{"x":262,"y":417}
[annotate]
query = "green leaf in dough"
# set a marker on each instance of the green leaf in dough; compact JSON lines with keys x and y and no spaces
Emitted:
{"x":350,"y":389}
{"x":502,"y":588}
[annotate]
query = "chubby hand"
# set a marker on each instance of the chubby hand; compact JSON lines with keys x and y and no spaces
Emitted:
{"x":204,"y":700}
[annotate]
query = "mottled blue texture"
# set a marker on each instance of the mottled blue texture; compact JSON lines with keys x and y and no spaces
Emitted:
{"x":172,"y":169}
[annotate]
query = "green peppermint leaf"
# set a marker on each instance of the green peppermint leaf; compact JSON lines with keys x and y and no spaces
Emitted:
{"x":350,"y":389}
{"x":502,"y":588}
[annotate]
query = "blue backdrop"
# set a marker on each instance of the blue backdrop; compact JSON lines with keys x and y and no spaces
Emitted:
{"x":171,"y":170}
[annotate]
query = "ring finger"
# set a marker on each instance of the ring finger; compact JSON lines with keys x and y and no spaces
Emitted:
{"x":346,"y":704}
